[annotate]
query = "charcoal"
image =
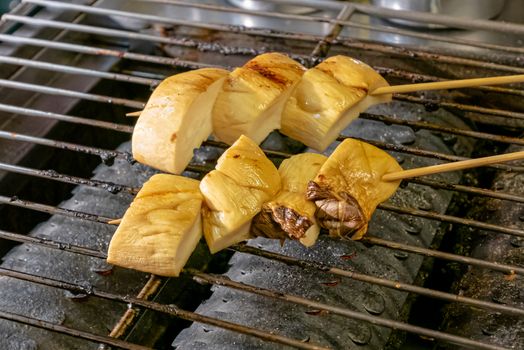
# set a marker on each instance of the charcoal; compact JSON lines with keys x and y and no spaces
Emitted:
{"x":58,"y":306}
{"x":319,"y":327}
{"x":484,"y":284}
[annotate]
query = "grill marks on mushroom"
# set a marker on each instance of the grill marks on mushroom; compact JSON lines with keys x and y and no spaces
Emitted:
{"x":252,"y":97}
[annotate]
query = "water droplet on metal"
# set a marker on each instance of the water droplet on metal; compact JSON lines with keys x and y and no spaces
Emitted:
{"x":413,"y":230}
{"x":373,"y":303}
{"x":425,"y":205}
{"x":517,"y":242}
{"x":75,"y":296}
{"x":449,"y":140}
{"x":359,"y":333}
{"x":401,"y":255}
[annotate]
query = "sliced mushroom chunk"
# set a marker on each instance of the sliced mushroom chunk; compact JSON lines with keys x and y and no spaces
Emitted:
{"x":161,"y":228}
{"x":177,"y":119}
{"x":252,"y":97}
{"x":234,"y":193}
{"x":328,"y":98}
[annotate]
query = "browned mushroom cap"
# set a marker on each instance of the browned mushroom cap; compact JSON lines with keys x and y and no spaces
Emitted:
{"x":340,"y":213}
{"x":281,"y":223}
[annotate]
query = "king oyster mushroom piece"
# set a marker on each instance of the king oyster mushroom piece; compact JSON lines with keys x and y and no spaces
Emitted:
{"x":252,"y":97}
{"x":290,"y":215}
{"x":327,"y":98}
{"x":161,"y":228}
{"x":349,"y":186}
{"x":177,"y":119}
{"x":244,"y":178}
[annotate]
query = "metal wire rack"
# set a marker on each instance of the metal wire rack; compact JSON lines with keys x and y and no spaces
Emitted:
{"x":26,"y":14}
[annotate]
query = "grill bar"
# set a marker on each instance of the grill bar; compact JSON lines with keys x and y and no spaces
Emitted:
{"x":167,"y":309}
{"x":75,"y":70}
{"x":435,"y":127}
{"x":509,"y":269}
{"x":453,"y":219}
{"x":99,"y":51}
{"x":65,"y":118}
{"x":54,"y":175}
{"x":52,"y":244}
{"x":460,"y":106}
{"x":396,"y":285}
{"x":226,"y":282}
{"x":49,"y":209}
{"x":469,"y":189}
{"x":70,"y":331}
{"x":102,"y":153}
{"x":422,"y":55}
{"x":69,"y":93}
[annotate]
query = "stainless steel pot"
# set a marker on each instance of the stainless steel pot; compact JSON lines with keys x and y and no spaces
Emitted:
{"x":255,"y":5}
{"x":472,"y":9}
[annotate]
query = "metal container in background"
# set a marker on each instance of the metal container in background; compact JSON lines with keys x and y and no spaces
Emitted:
{"x":255,"y":5}
{"x":471,"y":9}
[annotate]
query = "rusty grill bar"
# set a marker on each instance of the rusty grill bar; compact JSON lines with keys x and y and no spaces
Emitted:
{"x":323,"y":43}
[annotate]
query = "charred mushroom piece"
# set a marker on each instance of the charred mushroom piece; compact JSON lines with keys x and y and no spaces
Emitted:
{"x":252,"y":97}
{"x":234,"y":193}
{"x":161,"y":228}
{"x":290,"y":215}
{"x":327,"y":98}
{"x":349,"y":186}
{"x":177,"y":119}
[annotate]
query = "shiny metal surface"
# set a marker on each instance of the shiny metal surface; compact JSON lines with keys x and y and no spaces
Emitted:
{"x":474,"y":9}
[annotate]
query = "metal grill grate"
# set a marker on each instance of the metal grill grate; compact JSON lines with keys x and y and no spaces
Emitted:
{"x":74,"y":35}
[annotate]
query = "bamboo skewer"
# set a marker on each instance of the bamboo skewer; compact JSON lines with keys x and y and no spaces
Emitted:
{"x":449,"y":84}
{"x":134,"y":114}
{"x":460,"y":165}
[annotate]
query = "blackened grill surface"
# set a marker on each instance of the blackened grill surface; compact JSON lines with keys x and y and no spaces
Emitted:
{"x":318,"y":327}
{"x":58,"y":306}
{"x":483,"y":325}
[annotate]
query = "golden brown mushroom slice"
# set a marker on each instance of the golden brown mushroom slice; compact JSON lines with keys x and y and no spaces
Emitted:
{"x":349,"y":186}
{"x":177,"y":119}
{"x":252,"y":97}
{"x":234,"y":193}
{"x":329,"y":97}
{"x":161,"y":228}
{"x":290,"y":215}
